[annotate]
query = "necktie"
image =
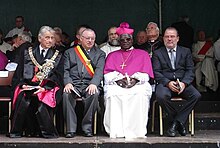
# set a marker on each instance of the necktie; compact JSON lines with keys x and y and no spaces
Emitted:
{"x":87,"y":51}
{"x":42,"y":54}
{"x":172,"y":58}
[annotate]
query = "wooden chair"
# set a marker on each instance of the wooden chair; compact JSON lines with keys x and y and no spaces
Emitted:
{"x":6,"y":81}
{"x":174,"y":99}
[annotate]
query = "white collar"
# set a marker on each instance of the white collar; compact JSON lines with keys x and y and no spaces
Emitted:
{"x":41,"y":48}
{"x":174,"y":49}
{"x":130,"y":48}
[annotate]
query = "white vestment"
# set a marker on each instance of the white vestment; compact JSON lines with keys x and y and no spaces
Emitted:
{"x":108,"y":48}
{"x":126,"y":112}
{"x":217,"y":52}
{"x":15,"y":31}
{"x":5,"y":47}
{"x":206,"y":67}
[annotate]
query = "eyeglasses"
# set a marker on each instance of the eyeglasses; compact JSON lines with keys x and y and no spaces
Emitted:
{"x":89,"y":38}
{"x":125,"y":40}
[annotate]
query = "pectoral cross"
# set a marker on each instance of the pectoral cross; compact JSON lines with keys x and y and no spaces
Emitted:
{"x":122,"y":65}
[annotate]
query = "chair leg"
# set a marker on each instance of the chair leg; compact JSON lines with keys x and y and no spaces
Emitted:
{"x":54,"y":119}
{"x":95,"y":123}
{"x":9,"y":114}
{"x":153,"y":116}
{"x":192,"y":124}
{"x":161,"y":120}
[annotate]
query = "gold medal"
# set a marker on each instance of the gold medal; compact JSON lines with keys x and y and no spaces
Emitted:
{"x":88,"y":62}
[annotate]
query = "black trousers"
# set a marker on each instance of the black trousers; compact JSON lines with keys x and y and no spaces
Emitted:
{"x":190,"y":94}
{"x":32,"y":115}
{"x":90,"y":103}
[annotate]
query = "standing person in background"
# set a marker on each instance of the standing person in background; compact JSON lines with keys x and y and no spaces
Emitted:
{"x":185,"y":32}
{"x":19,"y":27}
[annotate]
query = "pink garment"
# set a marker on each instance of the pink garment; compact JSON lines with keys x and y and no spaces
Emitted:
{"x":16,"y":93}
{"x":48,"y":97}
{"x":136,"y":60}
{"x":124,"y":29}
{"x":3,"y":60}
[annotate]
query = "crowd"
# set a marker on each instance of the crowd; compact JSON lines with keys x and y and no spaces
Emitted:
{"x":51,"y":70}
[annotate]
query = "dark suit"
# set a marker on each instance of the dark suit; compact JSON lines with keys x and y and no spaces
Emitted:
{"x":76,"y":74}
{"x":164,"y":73}
{"x":28,"y":109}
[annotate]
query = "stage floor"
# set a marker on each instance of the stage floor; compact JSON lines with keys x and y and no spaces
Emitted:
{"x":207,"y":138}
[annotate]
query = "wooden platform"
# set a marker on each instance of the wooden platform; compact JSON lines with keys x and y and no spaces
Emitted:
{"x":202,"y":139}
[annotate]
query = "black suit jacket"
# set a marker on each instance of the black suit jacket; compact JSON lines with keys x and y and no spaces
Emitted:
{"x":163,"y":71}
{"x":25,"y":70}
{"x":75,"y":72}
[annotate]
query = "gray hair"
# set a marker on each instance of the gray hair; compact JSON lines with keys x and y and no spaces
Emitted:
{"x":45,"y":29}
{"x":25,"y":36}
{"x":153,"y":23}
{"x":58,"y":29}
{"x":88,"y":29}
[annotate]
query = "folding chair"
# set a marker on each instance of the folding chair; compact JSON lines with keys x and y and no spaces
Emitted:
{"x":174,"y":99}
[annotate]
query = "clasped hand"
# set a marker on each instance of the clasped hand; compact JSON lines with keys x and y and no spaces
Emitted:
{"x":125,"y":84}
{"x":177,"y":87}
{"x":91,"y":89}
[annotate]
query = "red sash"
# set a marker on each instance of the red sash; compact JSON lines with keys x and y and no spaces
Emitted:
{"x":205,"y":48}
{"x":86,"y":62}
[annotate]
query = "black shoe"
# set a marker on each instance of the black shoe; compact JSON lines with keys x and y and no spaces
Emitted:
{"x":70,"y":135}
{"x":181,"y":129}
{"x":89,"y":134}
{"x":171,"y":132}
{"x":15,"y":135}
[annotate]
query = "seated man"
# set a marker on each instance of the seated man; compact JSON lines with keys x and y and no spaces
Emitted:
{"x":127,"y":91}
{"x":83,"y":73}
{"x":153,"y":36}
{"x":205,"y":71}
{"x":173,"y":70}
{"x":36,"y":82}
{"x":141,"y":40}
{"x":112,"y":44}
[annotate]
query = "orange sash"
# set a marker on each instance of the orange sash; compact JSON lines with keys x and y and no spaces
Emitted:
{"x":86,"y":62}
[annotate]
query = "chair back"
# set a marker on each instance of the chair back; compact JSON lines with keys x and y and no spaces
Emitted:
{"x":6,"y":81}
